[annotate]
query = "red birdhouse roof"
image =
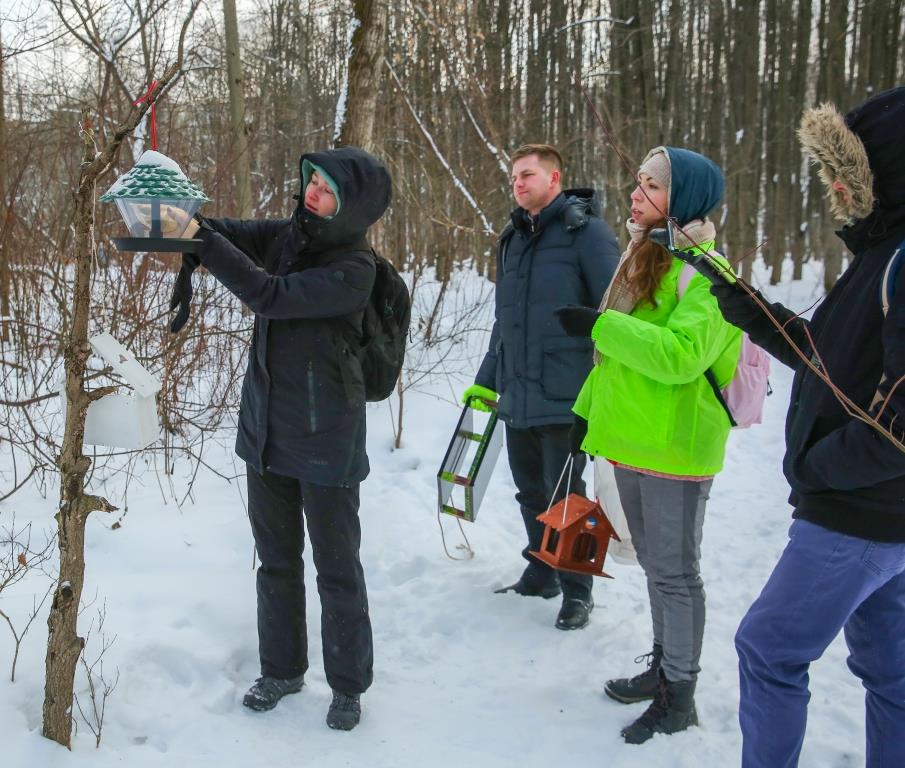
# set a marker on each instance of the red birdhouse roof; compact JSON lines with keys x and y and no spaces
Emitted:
{"x":577,"y":508}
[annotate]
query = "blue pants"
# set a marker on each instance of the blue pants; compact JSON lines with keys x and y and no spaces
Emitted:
{"x":824,"y":581}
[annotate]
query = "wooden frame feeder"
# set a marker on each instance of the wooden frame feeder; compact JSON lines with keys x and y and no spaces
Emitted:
{"x":482,"y":449}
{"x":576,"y":536}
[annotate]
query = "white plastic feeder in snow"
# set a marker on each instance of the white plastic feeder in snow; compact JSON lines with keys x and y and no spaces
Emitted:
{"x":123,"y":420}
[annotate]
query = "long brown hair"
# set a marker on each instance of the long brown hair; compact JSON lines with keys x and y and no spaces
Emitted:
{"x":646,"y":268}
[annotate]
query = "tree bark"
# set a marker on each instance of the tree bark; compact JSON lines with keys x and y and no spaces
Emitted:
{"x":236,"y":85}
{"x":4,"y":258}
{"x":365,"y":73}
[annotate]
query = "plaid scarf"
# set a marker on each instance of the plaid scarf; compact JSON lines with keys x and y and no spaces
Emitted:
{"x":621,"y":295}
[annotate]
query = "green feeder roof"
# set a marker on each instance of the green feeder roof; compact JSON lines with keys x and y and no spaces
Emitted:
{"x":155,"y":176}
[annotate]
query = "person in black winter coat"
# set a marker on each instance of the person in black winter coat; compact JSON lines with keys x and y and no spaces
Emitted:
{"x":844,"y":565}
{"x":302,"y":415}
{"x":556,"y":251}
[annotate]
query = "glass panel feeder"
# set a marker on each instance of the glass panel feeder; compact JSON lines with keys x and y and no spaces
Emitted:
{"x":157,"y":201}
{"x":461,"y":494}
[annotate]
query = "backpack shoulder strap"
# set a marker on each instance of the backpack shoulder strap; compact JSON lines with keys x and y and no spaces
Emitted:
{"x":888,"y":283}
{"x":685,"y":274}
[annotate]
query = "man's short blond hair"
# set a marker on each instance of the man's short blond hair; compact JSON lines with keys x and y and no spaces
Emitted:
{"x":545,"y":152}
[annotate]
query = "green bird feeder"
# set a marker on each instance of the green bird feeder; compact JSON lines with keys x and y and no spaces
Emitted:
{"x":157,"y":202}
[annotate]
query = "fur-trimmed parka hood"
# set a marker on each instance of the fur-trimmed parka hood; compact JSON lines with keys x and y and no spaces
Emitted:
{"x":865,"y":150}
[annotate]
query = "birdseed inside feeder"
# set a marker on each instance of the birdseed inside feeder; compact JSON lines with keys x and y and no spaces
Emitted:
{"x":157,"y":201}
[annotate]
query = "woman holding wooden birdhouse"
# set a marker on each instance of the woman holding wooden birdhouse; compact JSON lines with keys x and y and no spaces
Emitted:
{"x":649,"y":407}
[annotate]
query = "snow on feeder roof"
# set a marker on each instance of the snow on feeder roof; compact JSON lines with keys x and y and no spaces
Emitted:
{"x":157,"y":201}
{"x":156,"y":176}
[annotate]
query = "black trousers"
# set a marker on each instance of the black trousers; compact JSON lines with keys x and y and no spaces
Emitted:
{"x":537,"y":456}
{"x":275,"y":505}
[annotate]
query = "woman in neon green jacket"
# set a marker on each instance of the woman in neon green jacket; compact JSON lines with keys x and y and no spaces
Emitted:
{"x":648,"y":408}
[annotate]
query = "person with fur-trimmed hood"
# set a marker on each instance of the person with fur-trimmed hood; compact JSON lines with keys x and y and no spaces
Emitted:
{"x":844,"y":565}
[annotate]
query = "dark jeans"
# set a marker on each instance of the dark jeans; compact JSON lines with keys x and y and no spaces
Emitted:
{"x":537,"y":456}
{"x":275,"y":505}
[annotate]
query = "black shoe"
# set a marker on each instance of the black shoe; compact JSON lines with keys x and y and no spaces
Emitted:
{"x":267,"y":691}
{"x":345,"y":711}
{"x":671,"y":711}
{"x":523,"y":586}
{"x":643,"y":687}
{"x":575,"y":613}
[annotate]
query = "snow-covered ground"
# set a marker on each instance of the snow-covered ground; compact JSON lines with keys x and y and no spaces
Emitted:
{"x":463,"y":676}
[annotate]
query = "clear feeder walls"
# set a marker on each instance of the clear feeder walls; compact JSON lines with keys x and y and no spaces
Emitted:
{"x":153,"y":217}
{"x":459,"y":493}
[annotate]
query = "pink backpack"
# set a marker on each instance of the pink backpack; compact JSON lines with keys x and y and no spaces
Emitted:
{"x":743,"y":397}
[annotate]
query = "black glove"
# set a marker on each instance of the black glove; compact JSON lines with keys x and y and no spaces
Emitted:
{"x":181,"y":299}
{"x":576,"y":321}
{"x":577,"y":433}
{"x":737,"y":305}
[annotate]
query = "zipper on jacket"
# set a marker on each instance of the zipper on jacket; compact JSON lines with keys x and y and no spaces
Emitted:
{"x":312,"y":409}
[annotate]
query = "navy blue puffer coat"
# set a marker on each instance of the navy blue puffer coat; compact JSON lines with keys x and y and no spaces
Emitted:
{"x":567,"y":255}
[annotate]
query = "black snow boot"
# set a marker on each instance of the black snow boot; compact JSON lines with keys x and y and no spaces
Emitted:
{"x":671,"y":711}
{"x":267,"y":691}
{"x":529,"y":587}
{"x":575,"y":613}
{"x":642,"y":687}
{"x":345,"y":711}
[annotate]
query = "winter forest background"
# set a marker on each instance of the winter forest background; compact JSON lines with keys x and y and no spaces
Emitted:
{"x":442,"y":92}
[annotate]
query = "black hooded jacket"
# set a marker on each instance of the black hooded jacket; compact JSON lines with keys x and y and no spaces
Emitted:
{"x":307,"y":279}
{"x":844,"y":475}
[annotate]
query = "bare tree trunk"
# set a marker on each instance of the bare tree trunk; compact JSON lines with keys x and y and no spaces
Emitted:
{"x":4,"y":260}
{"x":236,"y":84}
{"x":63,"y":641}
{"x":365,"y":72}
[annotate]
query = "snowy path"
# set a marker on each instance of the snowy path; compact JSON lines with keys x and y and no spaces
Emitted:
{"x":463,"y":676}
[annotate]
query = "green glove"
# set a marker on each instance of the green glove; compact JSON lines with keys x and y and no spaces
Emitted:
{"x":475,"y":396}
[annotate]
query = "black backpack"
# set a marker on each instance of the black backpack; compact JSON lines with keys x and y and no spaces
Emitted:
{"x":385,"y":330}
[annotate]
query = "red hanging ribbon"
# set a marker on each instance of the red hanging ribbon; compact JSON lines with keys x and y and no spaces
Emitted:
{"x":149,"y":99}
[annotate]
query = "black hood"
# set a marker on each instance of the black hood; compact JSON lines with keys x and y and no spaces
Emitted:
{"x":364,"y":188}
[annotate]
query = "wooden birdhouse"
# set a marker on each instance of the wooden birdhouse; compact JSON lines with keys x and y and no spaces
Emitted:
{"x":468,"y":465}
{"x":576,"y":536}
{"x":123,"y":419}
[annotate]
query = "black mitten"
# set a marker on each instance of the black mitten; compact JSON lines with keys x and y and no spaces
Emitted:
{"x":577,"y":433}
{"x":576,"y":321}
{"x":181,"y":299}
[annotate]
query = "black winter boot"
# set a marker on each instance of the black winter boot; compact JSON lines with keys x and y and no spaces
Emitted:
{"x":345,"y":711}
{"x":267,"y":691}
{"x":642,"y":687}
{"x":672,"y":711}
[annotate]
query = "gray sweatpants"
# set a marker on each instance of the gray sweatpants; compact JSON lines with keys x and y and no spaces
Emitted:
{"x":666,"y":520}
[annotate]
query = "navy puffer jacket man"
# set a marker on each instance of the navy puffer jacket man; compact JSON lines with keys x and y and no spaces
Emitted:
{"x":302,"y":417}
{"x":556,"y":250}
{"x":844,"y":565}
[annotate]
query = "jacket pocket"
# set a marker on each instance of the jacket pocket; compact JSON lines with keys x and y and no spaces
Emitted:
{"x":565,"y":365}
